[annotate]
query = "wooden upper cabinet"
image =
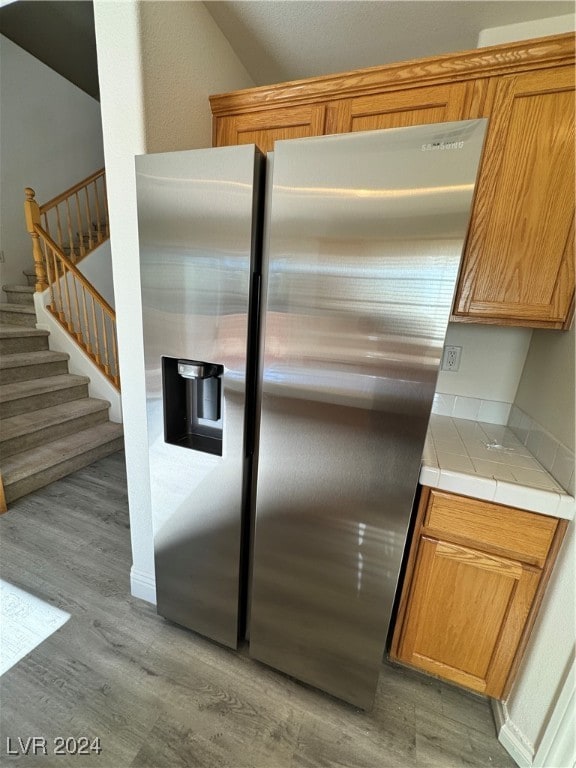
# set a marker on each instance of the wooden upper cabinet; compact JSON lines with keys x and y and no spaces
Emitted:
{"x":519,"y":261}
{"x":399,"y":109}
{"x":518,"y":265}
{"x":265,"y":127}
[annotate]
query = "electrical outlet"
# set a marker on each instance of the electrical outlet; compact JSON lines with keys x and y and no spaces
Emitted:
{"x":451,"y":358}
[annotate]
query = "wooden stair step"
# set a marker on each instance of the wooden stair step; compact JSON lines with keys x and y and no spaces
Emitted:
{"x":32,"y":469}
{"x":18,"y":314}
{"x":37,"y":394}
{"x":19,"y":294}
{"x":21,"y":366}
{"x":19,"y":338}
{"x":29,"y":430}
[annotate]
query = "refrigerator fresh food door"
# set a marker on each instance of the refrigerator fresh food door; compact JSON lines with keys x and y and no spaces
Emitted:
{"x":198,"y":226}
{"x":366,"y":235}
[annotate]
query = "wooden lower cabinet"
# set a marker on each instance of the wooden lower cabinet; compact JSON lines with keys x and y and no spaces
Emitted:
{"x":475,"y":578}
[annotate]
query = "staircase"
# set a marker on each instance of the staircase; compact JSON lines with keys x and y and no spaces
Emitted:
{"x":49,"y":426}
{"x":64,"y":231}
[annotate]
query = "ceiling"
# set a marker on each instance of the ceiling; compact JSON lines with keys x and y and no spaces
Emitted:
{"x":293,"y":39}
{"x":280,"y":40}
{"x":60,"y":34}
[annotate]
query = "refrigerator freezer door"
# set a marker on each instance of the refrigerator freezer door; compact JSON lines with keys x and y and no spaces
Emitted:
{"x":196,"y":229}
{"x":366,"y":235}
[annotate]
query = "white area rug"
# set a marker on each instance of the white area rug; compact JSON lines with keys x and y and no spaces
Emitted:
{"x":25,"y":622}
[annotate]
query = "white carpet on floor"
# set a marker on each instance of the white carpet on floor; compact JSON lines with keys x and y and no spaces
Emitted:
{"x":25,"y":622}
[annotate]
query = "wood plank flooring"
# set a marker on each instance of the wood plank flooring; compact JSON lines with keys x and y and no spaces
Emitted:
{"x":157,"y":695}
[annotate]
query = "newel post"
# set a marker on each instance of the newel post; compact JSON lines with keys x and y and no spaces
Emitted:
{"x":32,"y":214}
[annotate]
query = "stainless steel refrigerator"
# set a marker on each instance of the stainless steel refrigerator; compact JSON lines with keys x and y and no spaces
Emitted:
{"x":294,"y":315}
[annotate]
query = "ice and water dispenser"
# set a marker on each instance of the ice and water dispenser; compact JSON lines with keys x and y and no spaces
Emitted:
{"x":193,"y":404}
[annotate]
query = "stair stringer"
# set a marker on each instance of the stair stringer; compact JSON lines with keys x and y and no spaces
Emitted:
{"x":79,"y":362}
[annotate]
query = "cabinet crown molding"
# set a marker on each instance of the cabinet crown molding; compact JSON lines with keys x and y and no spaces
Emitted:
{"x":523,"y":55}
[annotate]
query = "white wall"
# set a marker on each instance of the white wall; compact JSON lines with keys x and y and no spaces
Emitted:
{"x":491,"y":363}
{"x":50,"y":138}
{"x":157,"y":63}
{"x":97,"y":268}
{"x":554,"y":25}
{"x":546,"y":393}
{"x":546,"y":388}
{"x":550,"y":653}
{"x":121,"y":95}
{"x":186,"y":58}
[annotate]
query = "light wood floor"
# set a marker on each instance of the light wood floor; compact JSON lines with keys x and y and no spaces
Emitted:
{"x":158,"y":695}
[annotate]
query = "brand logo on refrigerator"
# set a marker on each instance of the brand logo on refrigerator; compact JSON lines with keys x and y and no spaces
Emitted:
{"x":442,"y":145}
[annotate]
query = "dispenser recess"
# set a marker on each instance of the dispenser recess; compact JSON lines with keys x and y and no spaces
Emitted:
{"x":192,"y":397}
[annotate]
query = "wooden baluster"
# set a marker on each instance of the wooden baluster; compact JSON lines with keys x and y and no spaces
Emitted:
{"x":97,"y":204}
{"x":78,"y":324}
{"x":51,"y":278}
{"x":70,"y":232}
{"x":88,"y":342}
{"x":68,"y":313}
{"x":57,"y":279}
{"x":32,"y":214}
{"x":88,"y":220}
{"x":95,"y":325}
{"x":80,"y":226}
{"x":59,"y":227}
{"x":106,"y":360}
{"x":45,"y":222}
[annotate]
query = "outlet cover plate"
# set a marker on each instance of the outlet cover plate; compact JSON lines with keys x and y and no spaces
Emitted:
{"x":451,"y":358}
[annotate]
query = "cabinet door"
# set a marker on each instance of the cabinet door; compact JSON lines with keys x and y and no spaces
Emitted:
{"x":518,"y":268}
{"x":265,"y":127}
{"x":398,"y":109}
{"x":465,"y":614}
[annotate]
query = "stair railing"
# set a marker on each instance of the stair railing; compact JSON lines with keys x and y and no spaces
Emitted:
{"x":77,"y":220}
{"x":73,"y":301}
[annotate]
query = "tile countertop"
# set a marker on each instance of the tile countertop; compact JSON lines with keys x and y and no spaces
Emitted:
{"x":487,"y":461}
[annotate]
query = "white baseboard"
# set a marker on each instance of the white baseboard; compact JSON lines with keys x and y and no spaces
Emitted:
{"x":558,"y":744}
{"x":143,"y":585}
{"x":499,"y":712}
{"x":511,"y":738}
